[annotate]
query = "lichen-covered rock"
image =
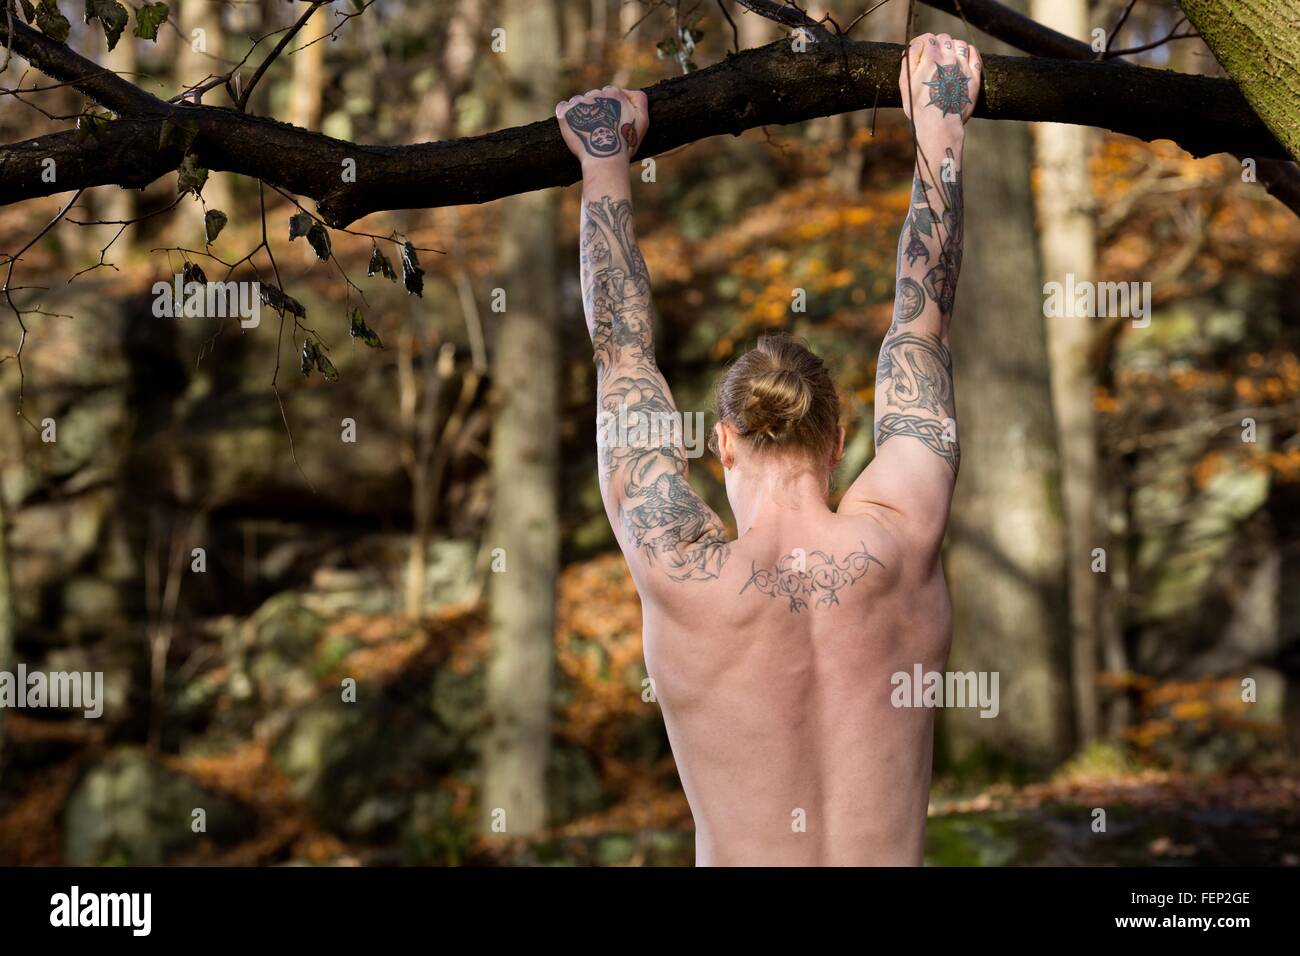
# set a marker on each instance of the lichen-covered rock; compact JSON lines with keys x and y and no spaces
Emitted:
{"x":129,"y":809}
{"x":359,"y":766}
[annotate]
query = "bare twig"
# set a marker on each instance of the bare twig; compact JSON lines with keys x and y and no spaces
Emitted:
{"x":1119,"y":25}
{"x":301,"y":22}
{"x":8,"y":291}
{"x":735,"y":31}
{"x":788,"y":14}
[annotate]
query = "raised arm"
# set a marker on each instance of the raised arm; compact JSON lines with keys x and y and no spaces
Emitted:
{"x":917,"y":451}
{"x":666,"y":531}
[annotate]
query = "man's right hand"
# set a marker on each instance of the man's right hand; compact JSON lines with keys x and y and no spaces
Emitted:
{"x":940,"y":82}
{"x":604,"y":124}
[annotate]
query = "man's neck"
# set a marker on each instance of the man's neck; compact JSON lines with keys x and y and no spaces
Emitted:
{"x":775,"y":496}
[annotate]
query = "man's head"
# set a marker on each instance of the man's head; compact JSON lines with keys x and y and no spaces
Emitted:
{"x":777,"y":414}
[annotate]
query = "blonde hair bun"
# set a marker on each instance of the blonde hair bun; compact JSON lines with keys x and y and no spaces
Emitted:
{"x":779,"y":395}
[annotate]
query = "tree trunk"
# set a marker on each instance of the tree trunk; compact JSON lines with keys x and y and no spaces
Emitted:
{"x":1258,"y":43}
{"x":525,"y":440}
{"x":754,"y":30}
{"x":1006,"y":550}
{"x":7,"y":611}
{"x":82,"y":244}
{"x":200,"y":57}
{"x":886,"y":25}
{"x":436,"y":119}
{"x":309,"y":77}
{"x":630,"y":14}
{"x":1068,"y":244}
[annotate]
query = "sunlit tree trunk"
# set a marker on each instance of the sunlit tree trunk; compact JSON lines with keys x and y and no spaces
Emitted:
{"x":630,"y":14}
{"x":754,"y":30}
{"x":199,"y":57}
{"x":1006,"y":550}
{"x":436,"y":119}
{"x":309,"y":71}
{"x":110,"y":203}
{"x":1067,"y":242}
{"x":525,"y":440}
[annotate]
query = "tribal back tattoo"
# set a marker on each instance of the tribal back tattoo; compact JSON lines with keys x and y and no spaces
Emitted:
{"x":816,"y":577}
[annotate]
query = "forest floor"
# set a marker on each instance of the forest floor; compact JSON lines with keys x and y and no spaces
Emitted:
{"x":1152,"y":818}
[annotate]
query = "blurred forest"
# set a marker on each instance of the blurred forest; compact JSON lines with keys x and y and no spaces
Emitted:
{"x":1125,"y":548}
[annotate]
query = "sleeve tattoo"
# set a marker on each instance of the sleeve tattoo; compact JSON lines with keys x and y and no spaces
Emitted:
{"x":914,"y":388}
{"x":642,"y":462}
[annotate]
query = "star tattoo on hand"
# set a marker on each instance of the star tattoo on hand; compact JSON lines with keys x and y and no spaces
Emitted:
{"x":948,"y":89}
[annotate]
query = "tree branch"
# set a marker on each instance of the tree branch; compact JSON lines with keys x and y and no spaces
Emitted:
{"x":1276,"y":174}
{"x":60,"y":62}
{"x":1014,"y":28}
{"x":279,"y":47}
{"x":770,"y":85}
{"x":787,"y":14}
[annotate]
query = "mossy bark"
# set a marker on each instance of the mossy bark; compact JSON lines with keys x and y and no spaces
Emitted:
{"x":1258,"y":43}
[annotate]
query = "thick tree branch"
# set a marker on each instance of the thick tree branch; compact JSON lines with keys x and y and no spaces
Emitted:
{"x":60,"y":62}
{"x":1014,"y":28}
{"x":1277,"y":175}
{"x":770,"y":85}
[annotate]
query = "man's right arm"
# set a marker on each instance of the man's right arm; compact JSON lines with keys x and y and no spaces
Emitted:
{"x":660,"y":522}
{"x":917,"y":452}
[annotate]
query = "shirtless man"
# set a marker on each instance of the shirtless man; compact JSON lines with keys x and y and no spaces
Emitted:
{"x":772,"y":654}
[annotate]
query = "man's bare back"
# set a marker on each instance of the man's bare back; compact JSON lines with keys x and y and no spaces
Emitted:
{"x":775,"y":688}
{"x":773,"y":654}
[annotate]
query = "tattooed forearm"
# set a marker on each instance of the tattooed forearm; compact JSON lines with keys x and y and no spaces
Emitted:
{"x":816,"y":577}
{"x":927,"y":226}
{"x":941,"y":280}
{"x":909,"y":301}
{"x":914,"y":370}
{"x":920,"y":220}
{"x":615,"y":284}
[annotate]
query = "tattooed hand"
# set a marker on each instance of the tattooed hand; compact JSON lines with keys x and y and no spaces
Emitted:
{"x":940,"y":82}
{"x":604,"y":124}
